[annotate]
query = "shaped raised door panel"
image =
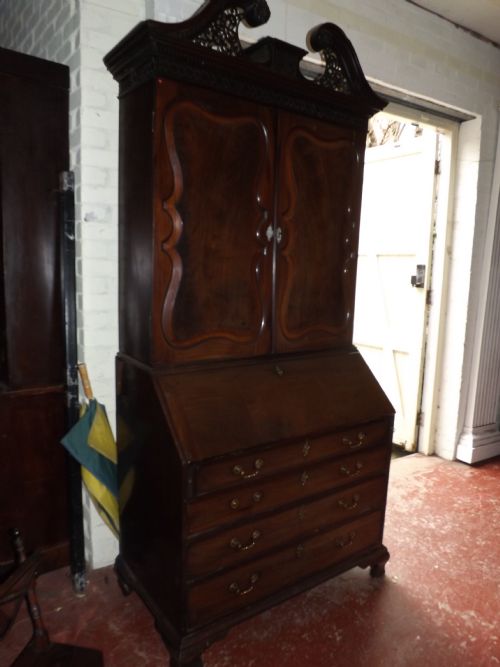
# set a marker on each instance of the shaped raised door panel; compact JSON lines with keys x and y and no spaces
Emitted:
{"x":212,"y":207}
{"x":319,"y":189}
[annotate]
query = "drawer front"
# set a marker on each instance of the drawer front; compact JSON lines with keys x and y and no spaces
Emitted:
{"x":243,"y":586}
{"x":246,"y":501}
{"x":236,"y":470}
{"x":245,"y":542}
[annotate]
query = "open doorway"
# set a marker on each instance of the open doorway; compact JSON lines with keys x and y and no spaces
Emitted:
{"x":402,"y":264}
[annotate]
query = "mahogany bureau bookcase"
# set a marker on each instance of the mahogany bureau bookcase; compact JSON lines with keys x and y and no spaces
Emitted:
{"x":254,"y":442}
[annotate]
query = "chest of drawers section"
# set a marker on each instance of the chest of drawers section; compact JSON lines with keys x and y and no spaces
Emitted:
{"x":265,"y":521}
{"x":241,"y":486}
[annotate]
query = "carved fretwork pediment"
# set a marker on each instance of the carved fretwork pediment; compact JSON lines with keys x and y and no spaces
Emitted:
{"x":207,"y":47}
{"x":219,"y":23}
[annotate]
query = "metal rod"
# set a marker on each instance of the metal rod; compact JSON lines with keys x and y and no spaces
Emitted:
{"x":68,"y":285}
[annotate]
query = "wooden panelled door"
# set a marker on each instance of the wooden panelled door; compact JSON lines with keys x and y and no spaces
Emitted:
{"x":317,"y":225}
{"x":33,"y":152}
{"x":216,"y":294}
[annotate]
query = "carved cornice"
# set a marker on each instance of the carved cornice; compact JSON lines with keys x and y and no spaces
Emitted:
{"x":206,"y":50}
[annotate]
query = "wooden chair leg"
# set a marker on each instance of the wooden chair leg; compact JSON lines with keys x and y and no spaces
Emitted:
{"x":40,"y":651}
{"x":40,"y":634}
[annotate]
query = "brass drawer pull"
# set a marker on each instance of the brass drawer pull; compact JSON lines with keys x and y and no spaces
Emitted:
{"x":356,"y":443}
{"x":304,"y":478}
{"x":342,"y":543}
{"x":238,"y":546}
{"x":306,"y":448}
{"x":350,"y":504}
{"x":235,"y":503}
{"x":235,"y":587}
{"x":352,"y":472}
{"x":240,"y":472}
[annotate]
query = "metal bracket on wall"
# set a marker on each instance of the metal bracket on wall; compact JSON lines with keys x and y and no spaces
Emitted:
{"x":418,"y":280}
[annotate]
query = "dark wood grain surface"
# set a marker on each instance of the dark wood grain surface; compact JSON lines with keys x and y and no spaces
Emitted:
{"x":33,"y":151}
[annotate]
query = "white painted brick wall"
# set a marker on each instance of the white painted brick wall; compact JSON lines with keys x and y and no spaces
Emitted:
{"x":103,"y":24}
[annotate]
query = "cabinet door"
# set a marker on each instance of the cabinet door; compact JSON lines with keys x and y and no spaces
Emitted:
{"x":319,"y":191}
{"x":213,"y":206}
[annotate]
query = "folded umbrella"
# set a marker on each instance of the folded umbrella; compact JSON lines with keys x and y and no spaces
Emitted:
{"x":90,"y":441}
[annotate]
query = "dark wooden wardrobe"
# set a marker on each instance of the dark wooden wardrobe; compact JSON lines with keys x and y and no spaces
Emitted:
{"x":254,"y":442}
{"x":33,"y":151}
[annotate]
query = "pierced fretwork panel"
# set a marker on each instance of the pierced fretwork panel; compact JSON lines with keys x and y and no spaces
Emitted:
{"x":333,"y":76}
{"x":222,"y":34}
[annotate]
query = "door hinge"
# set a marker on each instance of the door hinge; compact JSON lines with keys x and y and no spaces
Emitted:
{"x":428,"y":298}
{"x":420,"y":418}
{"x":437,"y":167}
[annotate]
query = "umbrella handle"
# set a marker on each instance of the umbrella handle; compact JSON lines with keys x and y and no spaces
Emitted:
{"x":84,"y":376}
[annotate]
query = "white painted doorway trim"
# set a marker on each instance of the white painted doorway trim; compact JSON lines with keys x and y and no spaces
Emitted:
{"x":432,"y":378}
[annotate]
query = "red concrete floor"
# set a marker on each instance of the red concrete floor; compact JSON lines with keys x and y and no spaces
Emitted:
{"x":438,"y":606}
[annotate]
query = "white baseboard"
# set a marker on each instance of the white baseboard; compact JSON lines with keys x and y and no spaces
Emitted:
{"x":479,"y":444}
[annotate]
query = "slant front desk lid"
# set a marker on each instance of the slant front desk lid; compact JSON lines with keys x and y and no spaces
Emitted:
{"x":217,"y":411}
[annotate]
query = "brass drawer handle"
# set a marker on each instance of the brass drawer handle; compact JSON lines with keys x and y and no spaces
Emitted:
{"x":304,"y":478}
{"x":306,"y":448}
{"x":238,"y":546}
{"x":356,"y":443}
{"x":235,"y":503}
{"x":240,"y":472}
{"x":235,"y":587}
{"x":350,"y":504}
{"x":352,"y":472}
{"x":342,"y":543}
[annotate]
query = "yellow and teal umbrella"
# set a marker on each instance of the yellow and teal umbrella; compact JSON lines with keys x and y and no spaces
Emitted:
{"x":90,"y":441}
